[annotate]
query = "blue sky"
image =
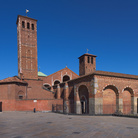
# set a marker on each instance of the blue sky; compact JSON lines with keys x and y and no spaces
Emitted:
{"x":66,"y":28}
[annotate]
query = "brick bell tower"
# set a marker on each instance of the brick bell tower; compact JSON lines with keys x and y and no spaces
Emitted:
{"x":87,"y":64}
{"x":27,"y":47}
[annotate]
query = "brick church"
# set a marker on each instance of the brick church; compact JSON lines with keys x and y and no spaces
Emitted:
{"x":90,"y":92}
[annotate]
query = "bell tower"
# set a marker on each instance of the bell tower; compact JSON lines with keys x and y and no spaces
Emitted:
{"x":27,"y":47}
{"x":87,"y":64}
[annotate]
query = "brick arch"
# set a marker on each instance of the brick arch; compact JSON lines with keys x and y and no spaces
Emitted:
{"x":20,"y":94}
{"x":47,"y":86}
{"x":112,"y":86}
{"x":56,"y":82}
{"x":66,"y":78}
{"x":129,"y":89}
{"x":110,"y":99}
{"x":127,"y":96}
{"x":82,"y":84}
{"x":84,"y":97}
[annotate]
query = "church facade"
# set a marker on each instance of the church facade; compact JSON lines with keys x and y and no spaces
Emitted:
{"x":90,"y":92}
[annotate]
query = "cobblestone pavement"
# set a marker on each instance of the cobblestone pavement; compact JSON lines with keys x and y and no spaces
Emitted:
{"x":52,"y":125}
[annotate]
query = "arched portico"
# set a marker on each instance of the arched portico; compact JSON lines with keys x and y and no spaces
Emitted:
{"x":110,"y":99}
{"x":84,"y":99}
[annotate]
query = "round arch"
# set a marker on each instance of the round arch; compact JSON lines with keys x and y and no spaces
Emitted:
{"x":20,"y":95}
{"x":47,"y":86}
{"x":113,"y":87}
{"x":56,"y":82}
{"x":66,"y":78}
{"x":84,"y":99}
{"x":110,"y":99}
{"x":128,"y":99}
{"x":129,"y":89}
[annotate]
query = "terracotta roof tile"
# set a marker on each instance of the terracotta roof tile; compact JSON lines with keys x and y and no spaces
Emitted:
{"x":12,"y":79}
{"x":114,"y":74}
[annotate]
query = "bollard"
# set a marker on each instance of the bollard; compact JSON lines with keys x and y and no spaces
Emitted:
{"x":34,"y":110}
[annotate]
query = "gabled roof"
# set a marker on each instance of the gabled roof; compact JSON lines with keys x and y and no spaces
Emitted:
{"x":14,"y":79}
{"x":64,"y":69}
{"x":40,"y":74}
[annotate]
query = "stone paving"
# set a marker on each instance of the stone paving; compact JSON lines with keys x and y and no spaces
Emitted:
{"x":52,"y":125}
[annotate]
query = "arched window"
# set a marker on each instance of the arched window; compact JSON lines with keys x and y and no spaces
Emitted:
{"x":47,"y":86}
{"x":56,"y":82}
{"x":88,"y":60}
{"x":32,"y":26}
{"x":92,"y":60}
{"x":66,"y":78}
{"x":20,"y":95}
{"x":28,"y":25}
{"x":23,"y":24}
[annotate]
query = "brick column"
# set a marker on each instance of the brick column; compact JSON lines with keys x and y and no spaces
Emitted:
{"x":66,"y":102}
{"x":58,"y":91}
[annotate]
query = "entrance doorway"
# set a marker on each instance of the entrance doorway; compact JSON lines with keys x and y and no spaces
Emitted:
{"x":83,"y":107}
{"x":84,"y":99}
{"x":0,"y":106}
{"x":137,"y":105}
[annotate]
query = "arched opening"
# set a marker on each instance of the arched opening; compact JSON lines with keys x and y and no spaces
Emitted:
{"x":28,"y":25}
{"x":66,"y":78}
{"x":47,"y":86}
{"x":56,"y":82}
{"x":23,"y":24}
{"x":84,"y":99}
{"x":20,"y":95}
{"x":110,"y":100}
{"x":127,"y":100}
{"x":32,"y":26}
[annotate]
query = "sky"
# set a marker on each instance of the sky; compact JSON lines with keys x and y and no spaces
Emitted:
{"x":67,"y":28}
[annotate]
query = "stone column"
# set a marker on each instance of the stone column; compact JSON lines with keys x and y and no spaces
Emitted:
{"x":97,"y":100}
{"x":66,"y":102}
{"x":120,"y":103}
{"x":91,"y":99}
{"x":135,"y":105}
{"x":77,"y":104}
{"x":58,"y":91}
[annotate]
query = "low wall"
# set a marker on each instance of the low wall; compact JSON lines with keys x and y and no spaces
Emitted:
{"x":29,"y":105}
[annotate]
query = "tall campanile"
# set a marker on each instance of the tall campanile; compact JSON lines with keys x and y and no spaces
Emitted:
{"x":27,"y":47}
{"x":87,"y":64}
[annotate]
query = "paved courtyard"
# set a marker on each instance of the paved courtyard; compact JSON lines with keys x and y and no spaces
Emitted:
{"x":51,"y":125}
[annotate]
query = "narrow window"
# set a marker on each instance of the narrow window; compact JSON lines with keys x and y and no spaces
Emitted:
{"x":92,"y":60}
{"x":32,"y":26}
{"x":88,"y":60}
{"x":137,"y":105}
{"x":23,"y":24}
{"x":28,"y":25}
